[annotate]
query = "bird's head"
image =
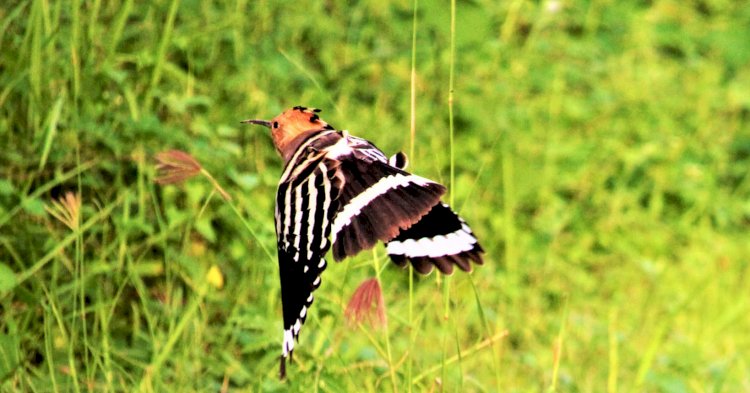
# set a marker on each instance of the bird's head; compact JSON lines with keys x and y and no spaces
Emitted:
{"x":290,"y":124}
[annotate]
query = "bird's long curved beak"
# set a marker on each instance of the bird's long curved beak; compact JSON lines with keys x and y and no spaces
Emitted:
{"x":264,"y":123}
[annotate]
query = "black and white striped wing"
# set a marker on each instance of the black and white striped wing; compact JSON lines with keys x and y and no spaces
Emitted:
{"x":306,"y":202}
{"x":381,"y":202}
{"x":376,"y":202}
{"x":441,"y":238}
{"x":377,"y":199}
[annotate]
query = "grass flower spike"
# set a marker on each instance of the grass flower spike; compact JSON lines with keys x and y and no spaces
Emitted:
{"x":367,"y":305}
{"x":67,"y":209}
{"x":176,"y":166}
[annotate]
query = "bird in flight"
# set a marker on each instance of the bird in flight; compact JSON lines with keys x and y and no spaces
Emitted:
{"x":341,"y":191}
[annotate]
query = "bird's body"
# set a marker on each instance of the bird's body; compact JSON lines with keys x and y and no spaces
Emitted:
{"x":340,"y":190}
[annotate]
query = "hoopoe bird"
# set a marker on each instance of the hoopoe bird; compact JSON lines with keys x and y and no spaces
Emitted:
{"x":340,"y":190}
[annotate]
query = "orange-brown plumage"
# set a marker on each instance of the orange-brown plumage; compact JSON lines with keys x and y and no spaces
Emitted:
{"x":289,"y":125}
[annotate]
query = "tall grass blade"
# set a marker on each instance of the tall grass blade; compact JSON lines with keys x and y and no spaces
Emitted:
{"x":161,"y":54}
{"x":558,"y":349}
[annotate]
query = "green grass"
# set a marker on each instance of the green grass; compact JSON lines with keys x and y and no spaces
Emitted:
{"x":599,"y":149}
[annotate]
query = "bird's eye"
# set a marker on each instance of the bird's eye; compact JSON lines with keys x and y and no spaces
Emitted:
{"x":276,"y":124}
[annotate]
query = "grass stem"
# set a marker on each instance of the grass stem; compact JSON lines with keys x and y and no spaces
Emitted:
{"x":469,"y":352}
{"x":412,"y":138}
{"x":386,"y":330}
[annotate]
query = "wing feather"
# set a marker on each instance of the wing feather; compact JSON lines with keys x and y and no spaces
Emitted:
{"x":377,"y":201}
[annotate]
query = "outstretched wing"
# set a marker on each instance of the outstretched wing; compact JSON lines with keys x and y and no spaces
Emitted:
{"x":379,"y":201}
{"x":306,"y":202}
{"x":376,"y":202}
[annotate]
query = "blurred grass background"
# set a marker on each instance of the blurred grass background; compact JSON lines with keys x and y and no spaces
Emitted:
{"x":601,"y":154}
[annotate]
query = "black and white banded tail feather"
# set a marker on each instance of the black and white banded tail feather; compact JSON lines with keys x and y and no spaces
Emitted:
{"x":305,"y":207}
{"x":378,"y":201}
{"x":441,"y":238}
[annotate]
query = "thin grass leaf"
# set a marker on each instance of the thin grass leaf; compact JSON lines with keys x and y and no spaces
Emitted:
{"x":51,"y":131}
{"x":465,"y":354}
{"x":558,"y":348}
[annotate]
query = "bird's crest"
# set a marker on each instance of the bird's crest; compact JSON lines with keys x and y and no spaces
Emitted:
{"x":290,"y":124}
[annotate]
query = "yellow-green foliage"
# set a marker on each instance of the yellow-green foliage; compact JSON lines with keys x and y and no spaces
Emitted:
{"x":601,"y":153}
